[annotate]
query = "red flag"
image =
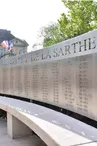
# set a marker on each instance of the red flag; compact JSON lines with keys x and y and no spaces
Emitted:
{"x":5,"y":44}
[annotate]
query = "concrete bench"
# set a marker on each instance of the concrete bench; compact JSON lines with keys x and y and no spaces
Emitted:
{"x":54,"y":128}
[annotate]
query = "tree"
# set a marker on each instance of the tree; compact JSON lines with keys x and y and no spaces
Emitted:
{"x":51,"y":35}
{"x":36,"y":46}
{"x":81,"y":17}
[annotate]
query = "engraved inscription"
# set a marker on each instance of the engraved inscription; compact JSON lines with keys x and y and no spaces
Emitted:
{"x":84,"y":85}
{"x":21,"y":81}
{"x":68,"y":83}
{"x":55,"y":81}
{"x":35,"y":81}
{"x":44,"y":81}
{"x":26,"y":81}
{"x":61,"y":75}
{"x":12,"y":81}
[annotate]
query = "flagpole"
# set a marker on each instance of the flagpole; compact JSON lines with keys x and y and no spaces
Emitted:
{"x":4,"y":52}
{"x":7,"y":45}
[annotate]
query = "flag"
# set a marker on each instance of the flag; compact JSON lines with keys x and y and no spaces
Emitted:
{"x":10,"y":45}
{"x":5,"y":44}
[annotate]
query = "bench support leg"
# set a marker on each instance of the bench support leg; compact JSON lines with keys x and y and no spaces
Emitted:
{"x":16,"y":128}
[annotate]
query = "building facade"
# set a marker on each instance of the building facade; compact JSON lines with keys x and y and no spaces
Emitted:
{"x":19,"y":46}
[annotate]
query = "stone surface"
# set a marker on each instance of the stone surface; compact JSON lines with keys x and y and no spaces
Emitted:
{"x":16,"y":128}
{"x":5,"y":140}
{"x":64,"y":75}
{"x":54,"y":128}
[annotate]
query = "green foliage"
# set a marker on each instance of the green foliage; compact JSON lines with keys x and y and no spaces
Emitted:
{"x":51,"y":34}
{"x":81,"y":17}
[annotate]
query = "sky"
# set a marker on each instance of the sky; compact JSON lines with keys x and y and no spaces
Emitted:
{"x":24,"y":18}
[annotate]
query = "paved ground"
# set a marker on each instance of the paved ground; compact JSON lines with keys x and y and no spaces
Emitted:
{"x":5,"y":140}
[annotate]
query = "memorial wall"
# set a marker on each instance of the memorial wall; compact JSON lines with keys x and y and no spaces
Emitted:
{"x":64,"y":75}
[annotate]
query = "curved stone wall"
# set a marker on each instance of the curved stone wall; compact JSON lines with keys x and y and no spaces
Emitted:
{"x":64,"y":75}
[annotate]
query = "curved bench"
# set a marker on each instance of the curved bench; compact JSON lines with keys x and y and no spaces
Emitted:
{"x":54,"y":128}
